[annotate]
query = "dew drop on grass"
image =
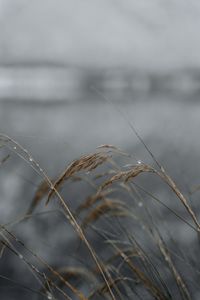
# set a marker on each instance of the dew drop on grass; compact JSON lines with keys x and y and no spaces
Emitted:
{"x":21,"y":256}
{"x":166,"y":258}
{"x":49,"y":296}
{"x":139,"y":162}
{"x":140,"y":204}
{"x":30,"y":159}
{"x":15,"y":148}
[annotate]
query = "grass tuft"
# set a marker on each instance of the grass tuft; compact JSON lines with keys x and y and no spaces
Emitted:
{"x":123,"y":251}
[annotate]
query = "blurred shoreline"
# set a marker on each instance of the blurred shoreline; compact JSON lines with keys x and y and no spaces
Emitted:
{"x":50,"y":83}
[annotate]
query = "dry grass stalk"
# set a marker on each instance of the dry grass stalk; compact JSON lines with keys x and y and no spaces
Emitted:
{"x":85,"y":163}
{"x":41,"y":192}
{"x":130,"y":252}
{"x":76,"y":272}
{"x":108,"y":206}
{"x":39,"y":275}
{"x":113,"y":149}
{"x":148,"y":284}
{"x":66,"y":274}
{"x":63,"y":281}
{"x":89,"y":163}
{"x":53,"y":272}
{"x":24,"y":155}
{"x":2,"y":249}
{"x":127,"y":175}
{"x":93,"y":199}
{"x":104,"y":273}
{"x":103,"y":289}
{"x":180,"y":283}
{"x":165,"y":177}
{"x":108,"y":146}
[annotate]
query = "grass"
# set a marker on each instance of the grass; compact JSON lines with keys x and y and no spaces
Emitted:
{"x":122,"y":250}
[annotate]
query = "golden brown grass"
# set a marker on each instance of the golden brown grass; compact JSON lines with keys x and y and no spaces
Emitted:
{"x":136,"y":261}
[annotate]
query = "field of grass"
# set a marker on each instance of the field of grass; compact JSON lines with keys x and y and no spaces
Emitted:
{"x":119,"y":239}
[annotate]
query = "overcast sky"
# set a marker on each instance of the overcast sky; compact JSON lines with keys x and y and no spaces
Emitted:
{"x":155,"y":34}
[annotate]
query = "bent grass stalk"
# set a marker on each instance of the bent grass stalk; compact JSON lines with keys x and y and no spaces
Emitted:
{"x":28,"y":158}
{"x":100,"y":205}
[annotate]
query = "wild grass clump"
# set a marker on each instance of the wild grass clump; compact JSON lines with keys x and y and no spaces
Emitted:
{"x":121,"y":249}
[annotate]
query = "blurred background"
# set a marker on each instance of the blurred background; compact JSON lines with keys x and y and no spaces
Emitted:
{"x":62,"y":64}
{"x":73,"y":73}
{"x":68,"y":67}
